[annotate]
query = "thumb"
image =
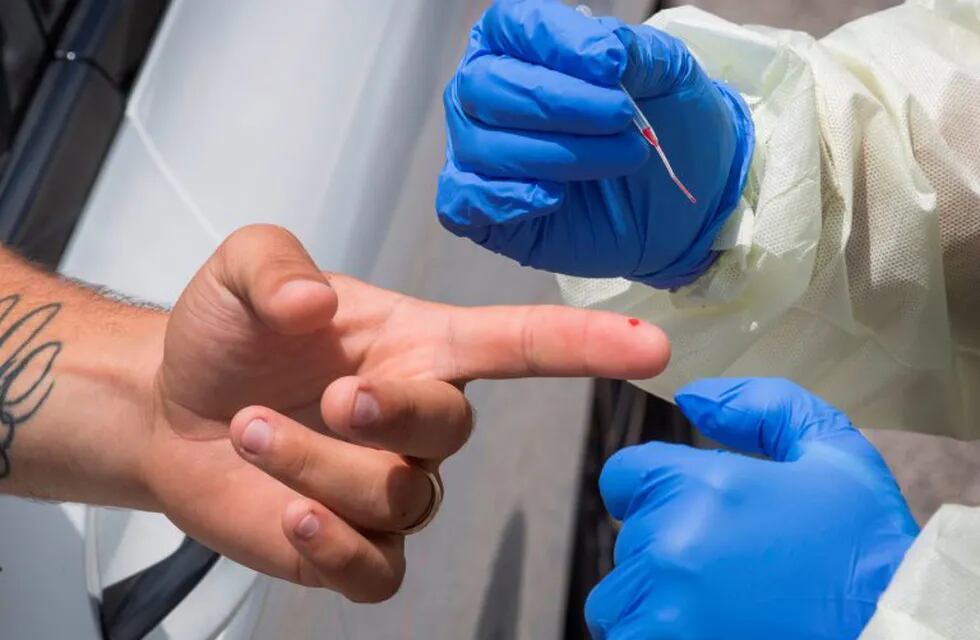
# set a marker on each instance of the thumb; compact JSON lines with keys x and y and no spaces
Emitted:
{"x":771,"y":416}
{"x":267,"y":268}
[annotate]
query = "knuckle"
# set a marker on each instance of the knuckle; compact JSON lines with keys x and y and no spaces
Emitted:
{"x":471,"y":78}
{"x":307,"y":575}
{"x":341,"y":559}
{"x":296,"y":462}
{"x":600,"y":605}
{"x":465,"y":152}
{"x":389,"y":585}
{"x":451,"y":103}
{"x":380,"y":588}
{"x":466,"y":141}
{"x":460,"y":427}
{"x":468,"y":421}
{"x":447,"y":96}
{"x":407,"y":493}
{"x":527,"y":344}
{"x":465,"y":79}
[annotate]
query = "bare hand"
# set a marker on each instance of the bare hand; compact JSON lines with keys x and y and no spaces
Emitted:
{"x":333,"y":394}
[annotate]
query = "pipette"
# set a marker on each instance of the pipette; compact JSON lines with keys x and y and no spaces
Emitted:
{"x":645,"y":128}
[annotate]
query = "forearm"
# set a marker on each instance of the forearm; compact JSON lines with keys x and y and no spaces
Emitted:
{"x":76,"y":372}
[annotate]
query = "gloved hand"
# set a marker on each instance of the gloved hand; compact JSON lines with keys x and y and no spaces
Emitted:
{"x":719,"y":545}
{"x":544,"y":165}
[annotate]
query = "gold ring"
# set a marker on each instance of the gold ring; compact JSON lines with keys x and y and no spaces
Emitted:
{"x":432,"y":509}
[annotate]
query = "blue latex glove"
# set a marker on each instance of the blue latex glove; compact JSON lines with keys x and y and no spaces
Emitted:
{"x":719,"y":545}
{"x":544,"y":165}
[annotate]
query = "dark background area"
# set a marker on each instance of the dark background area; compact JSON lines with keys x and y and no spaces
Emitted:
{"x":66,"y":69}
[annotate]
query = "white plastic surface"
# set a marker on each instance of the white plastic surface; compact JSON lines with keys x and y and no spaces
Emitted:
{"x":43,"y":581}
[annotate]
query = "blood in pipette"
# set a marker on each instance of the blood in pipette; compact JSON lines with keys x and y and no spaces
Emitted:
{"x":651,"y":137}
{"x":687,"y":194}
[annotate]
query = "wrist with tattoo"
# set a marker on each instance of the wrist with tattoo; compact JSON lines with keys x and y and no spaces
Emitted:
{"x":23,"y":387}
{"x":75,"y":378}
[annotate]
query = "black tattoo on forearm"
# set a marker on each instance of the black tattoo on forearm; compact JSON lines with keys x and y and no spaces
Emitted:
{"x":26,"y":360}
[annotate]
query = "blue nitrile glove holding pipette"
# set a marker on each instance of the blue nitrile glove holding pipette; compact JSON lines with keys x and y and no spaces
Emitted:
{"x":545,"y":165}
{"x":720,"y":545}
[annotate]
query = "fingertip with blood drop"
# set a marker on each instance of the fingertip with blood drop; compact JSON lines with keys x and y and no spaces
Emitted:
{"x":655,"y":348}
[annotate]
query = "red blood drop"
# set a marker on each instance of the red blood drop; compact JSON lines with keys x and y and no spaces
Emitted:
{"x":634,"y":321}
{"x":650,"y":136}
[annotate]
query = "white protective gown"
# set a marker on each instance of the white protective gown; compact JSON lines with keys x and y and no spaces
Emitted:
{"x":853,"y":263}
{"x":934,"y":593}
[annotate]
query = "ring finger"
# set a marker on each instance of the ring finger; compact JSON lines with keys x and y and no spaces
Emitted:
{"x":376,"y":490}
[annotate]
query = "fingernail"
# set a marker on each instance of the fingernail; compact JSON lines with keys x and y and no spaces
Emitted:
{"x":257,"y":436}
{"x":307,"y":527}
{"x":366,"y":410}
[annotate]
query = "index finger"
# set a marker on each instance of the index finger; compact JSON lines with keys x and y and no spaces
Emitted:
{"x":553,"y":35}
{"x":554,"y":341}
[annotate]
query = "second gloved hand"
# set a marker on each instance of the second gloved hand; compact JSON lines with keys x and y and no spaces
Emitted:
{"x":544,"y":165}
{"x":720,"y":545}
